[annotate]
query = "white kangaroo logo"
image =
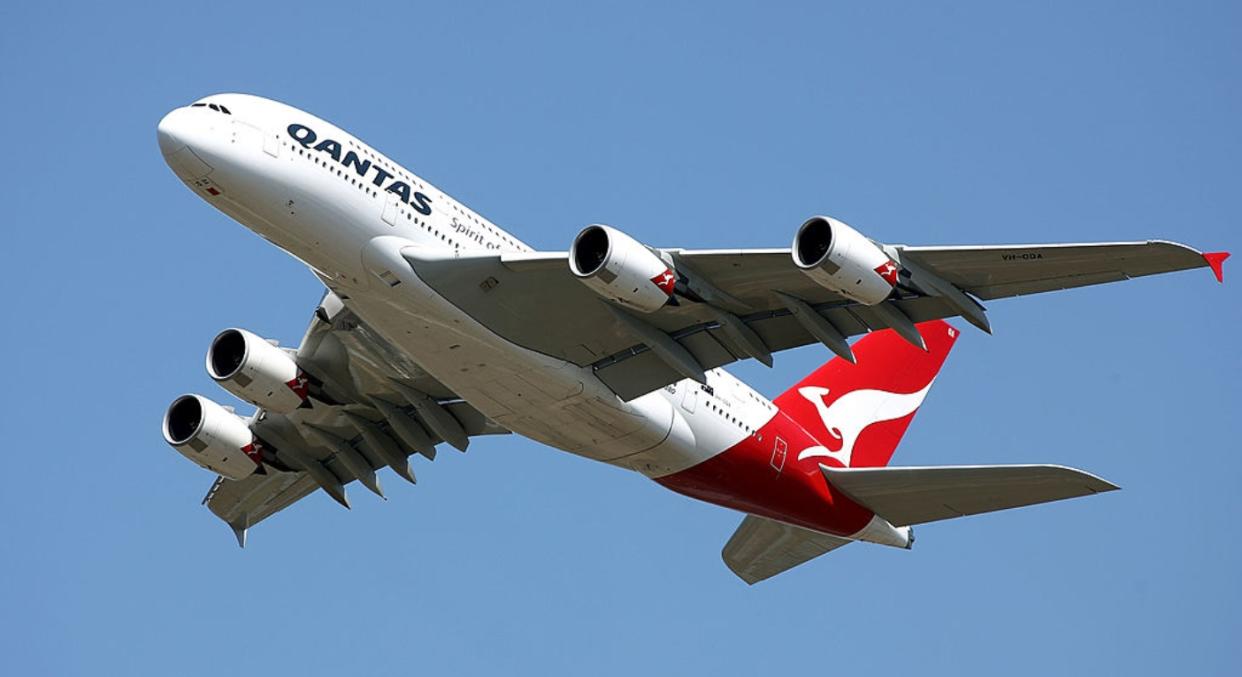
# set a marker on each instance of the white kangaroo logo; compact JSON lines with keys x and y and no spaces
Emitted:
{"x":853,"y":412}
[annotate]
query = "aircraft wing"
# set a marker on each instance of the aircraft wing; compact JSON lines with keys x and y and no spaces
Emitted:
{"x":762,"y":548}
{"x":734,"y":304}
{"x":244,"y":503}
{"x":326,"y":445}
{"x":995,"y":272}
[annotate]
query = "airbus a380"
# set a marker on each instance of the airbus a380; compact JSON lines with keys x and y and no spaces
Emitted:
{"x":436,"y":325}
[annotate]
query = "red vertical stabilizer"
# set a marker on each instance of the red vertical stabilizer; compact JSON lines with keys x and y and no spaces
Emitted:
{"x":858,"y":412}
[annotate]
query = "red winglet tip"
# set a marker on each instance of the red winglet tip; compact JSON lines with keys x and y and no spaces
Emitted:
{"x":1216,"y":261}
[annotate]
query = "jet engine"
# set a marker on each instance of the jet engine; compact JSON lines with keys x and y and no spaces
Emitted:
{"x":619,"y":268}
{"x":841,"y":259}
{"x":212,"y":437}
{"x":256,"y":371}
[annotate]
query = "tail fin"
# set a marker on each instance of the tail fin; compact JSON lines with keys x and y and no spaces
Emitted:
{"x":859,"y":412}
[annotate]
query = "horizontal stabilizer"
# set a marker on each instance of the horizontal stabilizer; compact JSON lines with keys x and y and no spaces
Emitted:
{"x":907,"y":496}
{"x":762,"y":548}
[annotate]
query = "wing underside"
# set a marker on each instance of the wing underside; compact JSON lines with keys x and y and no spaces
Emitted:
{"x":377,"y":408}
{"x":751,"y":303}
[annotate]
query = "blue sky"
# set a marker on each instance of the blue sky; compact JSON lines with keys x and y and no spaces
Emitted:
{"x":705,"y":125}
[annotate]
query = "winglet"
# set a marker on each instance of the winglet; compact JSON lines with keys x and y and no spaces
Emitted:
{"x":239,"y":530}
{"x":1216,"y":260}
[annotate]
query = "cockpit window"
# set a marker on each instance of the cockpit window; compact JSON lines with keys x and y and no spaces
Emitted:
{"x":216,"y":107}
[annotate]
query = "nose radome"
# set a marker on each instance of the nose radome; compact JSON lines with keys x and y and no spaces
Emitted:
{"x":172,"y":131}
{"x":178,"y":133}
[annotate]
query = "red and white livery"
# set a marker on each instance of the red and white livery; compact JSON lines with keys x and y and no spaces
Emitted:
{"x":436,"y":326}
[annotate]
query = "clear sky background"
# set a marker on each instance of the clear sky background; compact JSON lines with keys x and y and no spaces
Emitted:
{"x":712,"y":125}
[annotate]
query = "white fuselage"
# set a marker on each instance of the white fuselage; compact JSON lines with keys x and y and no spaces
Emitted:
{"x":348,"y":211}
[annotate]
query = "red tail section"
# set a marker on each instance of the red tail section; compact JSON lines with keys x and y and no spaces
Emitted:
{"x":858,"y":412}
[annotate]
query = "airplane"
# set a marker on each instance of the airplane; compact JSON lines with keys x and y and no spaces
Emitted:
{"x":437,"y":326}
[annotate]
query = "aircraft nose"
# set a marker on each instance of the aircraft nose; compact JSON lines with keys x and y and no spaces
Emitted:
{"x":179,"y":133}
{"x":173,"y":131}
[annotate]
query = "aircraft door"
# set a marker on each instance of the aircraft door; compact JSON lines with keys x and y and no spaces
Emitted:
{"x":271,"y":145}
{"x":247,"y":136}
{"x":690,"y":400}
{"x":779,"y":450}
{"x":390,"y":209}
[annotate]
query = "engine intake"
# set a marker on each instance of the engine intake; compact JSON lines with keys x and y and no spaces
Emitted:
{"x":212,"y":437}
{"x":621,"y":269}
{"x":841,"y":259}
{"x":256,"y":371}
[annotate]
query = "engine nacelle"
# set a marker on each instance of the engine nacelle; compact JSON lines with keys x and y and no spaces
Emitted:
{"x":841,"y":259}
{"x":619,"y":268}
{"x":212,"y":437}
{"x":256,"y":371}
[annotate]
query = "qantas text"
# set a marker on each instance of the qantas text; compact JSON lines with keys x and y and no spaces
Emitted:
{"x":307,"y":137}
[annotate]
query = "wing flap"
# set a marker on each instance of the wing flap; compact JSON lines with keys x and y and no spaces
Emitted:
{"x":636,"y":371}
{"x":912,"y":495}
{"x":762,"y":548}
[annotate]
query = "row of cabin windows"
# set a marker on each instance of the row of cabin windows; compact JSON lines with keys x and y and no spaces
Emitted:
{"x":759,"y":400}
{"x":747,"y":391}
{"x":484,"y":223}
{"x":409,"y":214}
{"x":315,"y":159}
{"x":395,"y":171}
{"x":711,"y":404}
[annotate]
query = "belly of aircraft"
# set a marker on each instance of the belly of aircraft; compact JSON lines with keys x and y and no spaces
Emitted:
{"x":536,"y":396}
